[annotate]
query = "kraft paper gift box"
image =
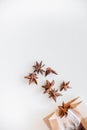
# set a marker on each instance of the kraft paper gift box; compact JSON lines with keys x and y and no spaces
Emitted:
{"x":75,"y":120}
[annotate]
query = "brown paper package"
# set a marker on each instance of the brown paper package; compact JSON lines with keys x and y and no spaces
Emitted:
{"x":77,"y":117}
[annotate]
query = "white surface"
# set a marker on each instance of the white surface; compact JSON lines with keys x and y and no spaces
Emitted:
{"x":52,"y":31}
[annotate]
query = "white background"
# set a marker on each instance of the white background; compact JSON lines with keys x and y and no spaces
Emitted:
{"x":54,"y":31}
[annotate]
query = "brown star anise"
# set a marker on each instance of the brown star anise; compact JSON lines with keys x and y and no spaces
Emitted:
{"x":49,"y":70}
{"x":53,"y":93}
{"x":32,"y":78}
{"x":64,"y":86}
{"x":63,"y":110}
{"x":38,"y":67}
{"x":48,"y":86}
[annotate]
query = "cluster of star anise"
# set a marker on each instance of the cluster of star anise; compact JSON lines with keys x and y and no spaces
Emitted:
{"x":53,"y":93}
{"x":39,"y":69}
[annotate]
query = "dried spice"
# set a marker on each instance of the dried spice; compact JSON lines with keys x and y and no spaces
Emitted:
{"x":48,"y":86}
{"x":53,"y":93}
{"x":50,"y":70}
{"x":38,"y":67}
{"x":32,"y":77}
{"x":64,"y":85}
{"x":63,"y":110}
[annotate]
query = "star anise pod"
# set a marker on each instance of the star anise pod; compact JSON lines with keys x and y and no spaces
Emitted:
{"x":63,"y":110}
{"x":64,"y":85}
{"x":32,"y":77}
{"x":38,"y":67}
{"x":53,"y":93}
{"x":48,"y":86}
{"x":50,"y":70}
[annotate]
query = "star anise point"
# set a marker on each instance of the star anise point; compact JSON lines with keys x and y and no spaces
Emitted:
{"x":38,"y":67}
{"x":63,"y":109}
{"x":32,"y":77}
{"x":53,"y":93}
{"x":48,"y":85}
{"x":50,"y":70}
{"x":64,"y":85}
